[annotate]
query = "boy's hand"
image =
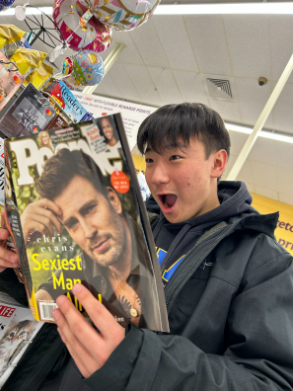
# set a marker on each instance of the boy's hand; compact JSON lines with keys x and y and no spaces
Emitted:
{"x":7,"y":258}
{"x":41,"y":216}
{"x":89,"y":349}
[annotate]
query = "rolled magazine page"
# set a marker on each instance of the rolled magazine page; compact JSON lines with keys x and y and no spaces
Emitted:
{"x":75,"y":210}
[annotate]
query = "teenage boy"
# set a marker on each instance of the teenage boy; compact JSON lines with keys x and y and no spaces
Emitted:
{"x":228,"y":284}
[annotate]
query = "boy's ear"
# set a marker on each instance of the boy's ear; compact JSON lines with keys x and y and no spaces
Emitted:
{"x":114,"y":200}
{"x":219,"y":163}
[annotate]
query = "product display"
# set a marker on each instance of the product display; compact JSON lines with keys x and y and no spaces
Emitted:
{"x":27,"y":60}
{"x":66,"y":100}
{"x":93,"y":36}
{"x":28,"y":114}
{"x":40,"y":75}
{"x":10,"y":80}
{"x":102,"y":184}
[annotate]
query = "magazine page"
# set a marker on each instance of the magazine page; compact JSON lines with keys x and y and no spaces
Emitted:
{"x":74,"y":204}
{"x":17,"y":330}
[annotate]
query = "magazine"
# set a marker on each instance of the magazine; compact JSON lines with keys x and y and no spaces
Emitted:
{"x":75,"y":211}
{"x":29,"y":113}
{"x":17,"y":330}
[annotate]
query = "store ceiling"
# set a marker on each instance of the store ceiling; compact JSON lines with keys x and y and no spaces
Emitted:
{"x":170,"y":58}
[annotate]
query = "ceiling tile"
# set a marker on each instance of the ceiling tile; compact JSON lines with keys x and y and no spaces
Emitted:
{"x":252,"y":99}
{"x":129,"y":54}
{"x":229,"y":111}
{"x":281,"y":36}
{"x":284,"y":155}
{"x":149,"y":46}
{"x":248,"y":40}
{"x":109,"y":87}
{"x":264,"y":175}
{"x":191,"y":87}
{"x":123,"y":82}
{"x":237,"y":142}
{"x":285,"y":181}
{"x":175,"y":41}
{"x":264,"y":151}
{"x":207,"y":37}
{"x":245,"y":173}
{"x":142,"y":80}
{"x":283,"y":113}
{"x":166,"y":85}
{"x":286,"y":198}
{"x":229,"y":165}
{"x":266,"y":193}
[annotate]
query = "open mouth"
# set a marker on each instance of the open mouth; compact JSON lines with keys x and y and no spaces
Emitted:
{"x":168,"y":202}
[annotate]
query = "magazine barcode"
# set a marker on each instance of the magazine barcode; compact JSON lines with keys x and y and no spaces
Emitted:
{"x":46,"y":310}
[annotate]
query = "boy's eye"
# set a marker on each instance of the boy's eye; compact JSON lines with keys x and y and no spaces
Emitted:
{"x":148,"y":160}
{"x":175,"y":157}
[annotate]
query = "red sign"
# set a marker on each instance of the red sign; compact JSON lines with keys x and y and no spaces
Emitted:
{"x":6,"y":311}
{"x":120,"y":181}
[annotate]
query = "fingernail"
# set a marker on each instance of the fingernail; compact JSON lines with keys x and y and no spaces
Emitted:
{"x":56,"y":314}
{"x":15,"y":264}
{"x":76,"y":288}
{"x":60,"y":300}
{"x":13,"y":259}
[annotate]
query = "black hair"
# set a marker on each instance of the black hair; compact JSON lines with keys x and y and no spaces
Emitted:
{"x":61,"y":168}
{"x":172,"y":125}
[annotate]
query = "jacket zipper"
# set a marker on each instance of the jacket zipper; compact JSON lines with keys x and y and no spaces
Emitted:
{"x":168,"y":299}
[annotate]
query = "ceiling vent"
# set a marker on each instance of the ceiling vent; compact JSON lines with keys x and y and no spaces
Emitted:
{"x":219,"y":88}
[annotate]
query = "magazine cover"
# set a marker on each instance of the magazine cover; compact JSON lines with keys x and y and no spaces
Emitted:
{"x":17,"y":329}
{"x":75,"y":209}
{"x":28,"y":114}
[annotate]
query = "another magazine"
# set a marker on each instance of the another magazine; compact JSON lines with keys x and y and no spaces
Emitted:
{"x":74,"y":207}
{"x":17,"y":330}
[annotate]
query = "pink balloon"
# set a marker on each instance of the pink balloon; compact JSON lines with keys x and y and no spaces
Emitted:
{"x":97,"y":37}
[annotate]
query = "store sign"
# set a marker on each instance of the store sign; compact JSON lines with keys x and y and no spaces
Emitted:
{"x":284,"y":230}
{"x":133,"y":114}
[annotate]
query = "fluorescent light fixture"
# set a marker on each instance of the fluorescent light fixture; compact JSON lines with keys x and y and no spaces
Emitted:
{"x":199,"y":9}
{"x":263,"y":133}
{"x":225,"y":9}
{"x":29,"y":11}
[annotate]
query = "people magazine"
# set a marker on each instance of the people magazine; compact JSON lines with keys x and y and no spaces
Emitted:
{"x":76,"y":215}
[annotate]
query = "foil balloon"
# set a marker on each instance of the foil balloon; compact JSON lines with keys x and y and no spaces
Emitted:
{"x":4,"y":4}
{"x":94,"y":36}
{"x":122,"y":14}
{"x":67,"y":67}
{"x":88,"y":68}
{"x":73,"y":84}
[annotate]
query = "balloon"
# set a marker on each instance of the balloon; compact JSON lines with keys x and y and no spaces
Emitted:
{"x":4,"y":4}
{"x":122,"y":14}
{"x":88,"y":68}
{"x":73,"y":84}
{"x":96,"y":37}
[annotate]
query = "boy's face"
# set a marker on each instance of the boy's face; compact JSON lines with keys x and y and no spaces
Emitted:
{"x":183,"y":181}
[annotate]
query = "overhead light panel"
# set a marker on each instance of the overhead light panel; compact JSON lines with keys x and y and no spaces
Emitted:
{"x":29,"y":11}
{"x":226,"y":9}
{"x":263,"y":133}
